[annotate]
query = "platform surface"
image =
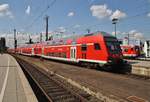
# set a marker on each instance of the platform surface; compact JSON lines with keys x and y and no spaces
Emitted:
{"x":14,"y":86}
{"x":142,"y":64}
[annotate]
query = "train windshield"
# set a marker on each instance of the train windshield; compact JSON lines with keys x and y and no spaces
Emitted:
{"x":113,"y":45}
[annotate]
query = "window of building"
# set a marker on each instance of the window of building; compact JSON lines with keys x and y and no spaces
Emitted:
{"x":97,"y":46}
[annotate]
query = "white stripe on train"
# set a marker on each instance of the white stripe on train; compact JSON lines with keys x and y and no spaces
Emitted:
{"x":69,"y":59}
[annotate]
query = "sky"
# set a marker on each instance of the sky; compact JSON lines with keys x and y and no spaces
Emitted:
{"x":73,"y":16}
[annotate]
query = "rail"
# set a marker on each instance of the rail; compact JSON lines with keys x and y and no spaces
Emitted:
{"x":54,"y":90}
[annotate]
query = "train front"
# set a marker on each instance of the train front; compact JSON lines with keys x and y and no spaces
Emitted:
{"x":115,"y":56}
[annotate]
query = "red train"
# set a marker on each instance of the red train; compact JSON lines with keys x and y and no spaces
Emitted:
{"x":131,"y":51}
{"x":95,"y":49}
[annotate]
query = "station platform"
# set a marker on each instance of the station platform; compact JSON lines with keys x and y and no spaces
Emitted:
{"x":145,"y":64}
{"x":140,"y":67}
{"x":14,"y":86}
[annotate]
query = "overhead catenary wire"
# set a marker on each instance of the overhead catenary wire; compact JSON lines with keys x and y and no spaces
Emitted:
{"x":41,"y":14}
{"x":93,"y":25}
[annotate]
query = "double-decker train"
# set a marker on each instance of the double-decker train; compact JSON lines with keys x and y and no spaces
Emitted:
{"x":94,"y":49}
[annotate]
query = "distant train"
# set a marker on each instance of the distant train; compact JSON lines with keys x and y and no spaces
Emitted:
{"x":94,"y":49}
{"x":131,"y":51}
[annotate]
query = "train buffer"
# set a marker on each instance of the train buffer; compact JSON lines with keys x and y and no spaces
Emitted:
{"x":14,"y":86}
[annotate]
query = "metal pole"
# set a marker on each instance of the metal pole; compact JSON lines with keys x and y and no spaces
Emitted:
{"x":114,"y":21}
{"x":128,"y":39}
{"x":47,"y":27}
{"x":40,"y":37}
{"x":115,"y":30}
{"x":88,"y":31}
{"x":15,"y":40}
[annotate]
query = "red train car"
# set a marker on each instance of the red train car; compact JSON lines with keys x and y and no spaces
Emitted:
{"x":131,"y":51}
{"x":27,"y":50}
{"x":98,"y":48}
{"x":95,"y":49}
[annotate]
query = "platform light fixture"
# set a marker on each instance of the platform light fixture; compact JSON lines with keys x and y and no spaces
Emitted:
{"x":114,"y":21}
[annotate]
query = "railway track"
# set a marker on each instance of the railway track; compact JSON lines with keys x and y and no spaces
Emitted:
{"x":51,"y":88}
{"x":126,"y":74}
{"x":98,"y":78}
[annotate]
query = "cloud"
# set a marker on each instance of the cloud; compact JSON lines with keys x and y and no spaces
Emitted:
{"x":118,"y":14}
{"x":117,"y":32}
{"x":148,"y":14}
{"x":76,"y":26}
{"x":136,"y":34}
{"x":4,"y":11}
{"x":132,"y":32}
{"x":70,"y":14}
{"x":28,"y":10}
{"x":91,"y":1}
{"x":100,"y":11}
{"x":61,"y":29}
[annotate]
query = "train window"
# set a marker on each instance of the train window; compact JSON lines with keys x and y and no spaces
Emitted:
{"x":83,"y":47}
{"x":97,"y":46}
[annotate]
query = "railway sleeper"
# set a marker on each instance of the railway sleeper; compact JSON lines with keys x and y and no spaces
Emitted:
{"x":47,"y":83}
{"x":48,"y":87}
{"x":63,"y":97}
{"x":71,"y":99}
{"x":58,"y":93}
{"x":66,"y":100}
{"x":56,"y":90}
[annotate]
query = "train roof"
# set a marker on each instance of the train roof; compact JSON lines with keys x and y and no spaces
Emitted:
{"x":73,"y":38}
{"x":99,"y":33}
{"x":68,"y":40}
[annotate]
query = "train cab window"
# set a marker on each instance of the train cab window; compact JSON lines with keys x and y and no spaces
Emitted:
{"x":97,"y":46}
{"x":84,"y":47}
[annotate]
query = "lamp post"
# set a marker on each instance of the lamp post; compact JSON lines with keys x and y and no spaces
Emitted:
{"x":114,"y":21}
{"x":88,"y":31}
{"x":15,"y":40}
{"x":128,"y":38}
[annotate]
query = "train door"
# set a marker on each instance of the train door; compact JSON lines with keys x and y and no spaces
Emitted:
{"x":42,"y":51}
{"x":73,"y":53}
{"x":32,"y":51}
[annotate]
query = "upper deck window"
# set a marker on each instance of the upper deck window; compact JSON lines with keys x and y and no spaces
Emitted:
{"x":97,"y":46}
